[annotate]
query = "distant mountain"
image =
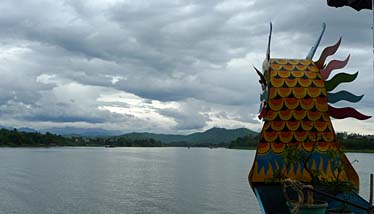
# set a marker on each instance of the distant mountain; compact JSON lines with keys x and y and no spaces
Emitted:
{"x":6,"y":127}
{"x":84,"y":132}
{"x":26,"y":129}
{"x":22,"y":129}
{"x":211,"y":136}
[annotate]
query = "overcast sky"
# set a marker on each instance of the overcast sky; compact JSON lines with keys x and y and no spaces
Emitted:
{"x":165,"y":66}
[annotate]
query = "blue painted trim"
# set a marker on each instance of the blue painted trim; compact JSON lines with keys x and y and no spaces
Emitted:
{"x":259,"y":201}
{"x":343,"y":95}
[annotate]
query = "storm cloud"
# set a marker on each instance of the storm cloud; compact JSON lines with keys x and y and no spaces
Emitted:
{"x":163,"y":66}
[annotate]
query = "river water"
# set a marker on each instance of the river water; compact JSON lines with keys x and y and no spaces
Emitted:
{"x":134,"y":180}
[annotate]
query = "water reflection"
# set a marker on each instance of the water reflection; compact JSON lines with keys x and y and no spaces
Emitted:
{"x":133,"y":180}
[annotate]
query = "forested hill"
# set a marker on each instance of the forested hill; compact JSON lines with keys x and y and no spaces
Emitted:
{"x":16,"y":138}
{"x":211,"y":136}
{"x":215,"y":137}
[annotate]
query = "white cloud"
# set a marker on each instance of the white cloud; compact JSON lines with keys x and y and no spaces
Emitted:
{"x":163,"y":66}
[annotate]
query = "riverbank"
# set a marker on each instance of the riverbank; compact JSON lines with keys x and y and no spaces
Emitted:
{"x":359,"y":150}
{"x":345,"y":150}
{"x":164,"y":146}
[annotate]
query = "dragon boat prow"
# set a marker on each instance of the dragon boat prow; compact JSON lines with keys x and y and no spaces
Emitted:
{"x":298,"y":140}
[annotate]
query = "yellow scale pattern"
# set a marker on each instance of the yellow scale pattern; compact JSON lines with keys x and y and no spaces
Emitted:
{"x":297,"y":108}
{"x":297,"y":115}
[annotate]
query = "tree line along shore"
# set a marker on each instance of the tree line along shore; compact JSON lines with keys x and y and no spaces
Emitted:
{"x":15,"y":138}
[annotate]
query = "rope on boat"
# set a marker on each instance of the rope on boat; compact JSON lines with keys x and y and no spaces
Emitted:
{"x":298,"y":187}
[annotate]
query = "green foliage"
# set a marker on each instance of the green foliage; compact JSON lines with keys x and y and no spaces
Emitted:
{"x":125,"y":142}
{"x":14,"y":138}
{"x":248,"y":141}
{"x":356,"y":141}
{"x":213,"y":136}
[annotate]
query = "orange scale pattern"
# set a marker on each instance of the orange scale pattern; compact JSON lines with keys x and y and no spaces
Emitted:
{"x":299,"y":92}
{"x":304,"y":82}
{"x":328,"y":136}
{"x":277,"y":147}
{"x":273,"y":93}
{"x":290,"y":82}
{"x":270,"y":115}
{"x":313,"y":68}
{"x":297,"y":74}
{"x":284,"y":73}
{"x":301,"y":136}
{"x":284,"y":92}
{"x":319,"y":83}
{"x":314,"y":115}
{"x":293,"y":61}
{"x":273,"y":72}
{"x":277,"y":82}
{"x":296,"y":116}
{"x":299,"y":114}
{"x":297,"y":108}
{"x":263,"y":147}
{"x":301,"y":67}
{"x":278,"y":125}
{"x":307,"y":125}
{"x":293,"y":125}
{"x":308,"y":146}
{"x":310,"y":74}
{"x":276,"y":104}
{"x":289,"y":67}
{"x":285,"y":114}
{"x":314,"y":92}
{"x":307,"y":103}
{"x":278,"y":61}
{"x":323,"y":146}
{"x":291,"y":103}
{"x":321,"y":126}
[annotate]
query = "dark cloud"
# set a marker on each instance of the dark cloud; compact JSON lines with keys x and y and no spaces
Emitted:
{"x":193,"y":55}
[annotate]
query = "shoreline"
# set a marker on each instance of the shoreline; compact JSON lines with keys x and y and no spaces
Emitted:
{"x":234,"y":148}
{"x":344,"y":150}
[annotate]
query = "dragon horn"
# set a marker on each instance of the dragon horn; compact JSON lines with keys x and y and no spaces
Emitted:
{"x":268,"y":50}
{"x":315,"y":46}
